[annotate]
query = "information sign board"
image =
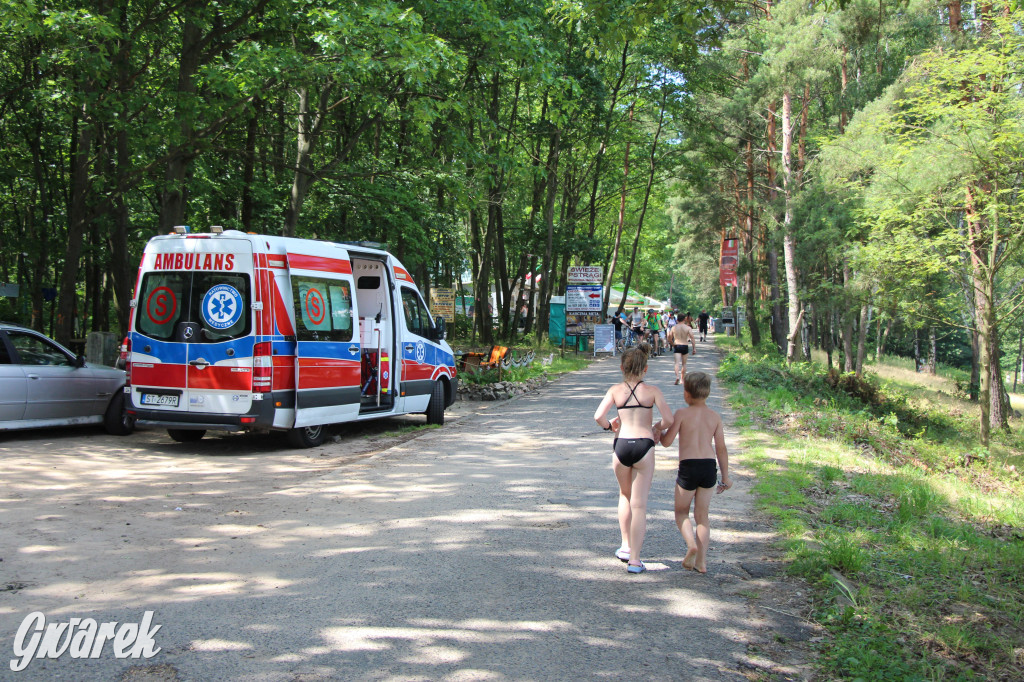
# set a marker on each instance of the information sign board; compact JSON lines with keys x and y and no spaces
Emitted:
{"x":442,"y":303}
{"x":604,"y":338}
{"x":583,"y":298}
{"x":585,"y":274}
{"x":581,"y":324}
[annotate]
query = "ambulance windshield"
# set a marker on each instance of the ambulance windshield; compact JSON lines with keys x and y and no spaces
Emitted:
{"x":193,"y":307}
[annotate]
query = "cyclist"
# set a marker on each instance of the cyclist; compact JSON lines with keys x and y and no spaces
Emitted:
{"x":636,"y":324}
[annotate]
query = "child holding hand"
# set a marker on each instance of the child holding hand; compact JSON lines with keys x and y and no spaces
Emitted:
{"x":701,"y":443}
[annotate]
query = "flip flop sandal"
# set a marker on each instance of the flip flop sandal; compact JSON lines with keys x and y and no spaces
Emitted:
{"x":622,"y":554}
{"x":632,"y":568}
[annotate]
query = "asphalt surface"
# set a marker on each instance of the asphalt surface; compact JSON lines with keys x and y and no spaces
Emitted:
{"x":479,"y":551}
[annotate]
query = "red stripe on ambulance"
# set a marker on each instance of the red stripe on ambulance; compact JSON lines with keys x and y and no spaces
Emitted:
{"x":328,"y":373}
{"x":321,"y":263}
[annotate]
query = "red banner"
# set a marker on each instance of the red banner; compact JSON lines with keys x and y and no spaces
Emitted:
{"x":728,"y":262}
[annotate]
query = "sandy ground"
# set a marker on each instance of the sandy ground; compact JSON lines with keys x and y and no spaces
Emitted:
{"x":481,"y":550}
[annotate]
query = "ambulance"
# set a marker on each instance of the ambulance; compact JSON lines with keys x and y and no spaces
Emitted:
{"x":236,"y":331}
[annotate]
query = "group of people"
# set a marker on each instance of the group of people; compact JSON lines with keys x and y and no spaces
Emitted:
{"x":664,"y":330}
{"x":655,"y":327}
{"x":702,"y":451}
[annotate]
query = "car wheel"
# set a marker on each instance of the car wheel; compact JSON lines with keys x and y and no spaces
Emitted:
{"x":186,"y":435}
{"x":306,"y":437}
{"x":435,"y":408}
{"x":116,"y":421}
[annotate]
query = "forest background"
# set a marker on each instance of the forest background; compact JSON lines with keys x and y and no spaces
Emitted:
{"x":868,"y":156}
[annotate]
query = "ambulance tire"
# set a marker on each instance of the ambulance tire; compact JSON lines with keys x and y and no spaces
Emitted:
{"x":435,"y":408}
{"x":186,"y":435}
{"x":306,"y":437}
{"x":116,"y":421}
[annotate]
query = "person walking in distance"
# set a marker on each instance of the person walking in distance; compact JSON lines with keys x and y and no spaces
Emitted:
{"x":701,"y":443}
{"x":702,"y":324}
{"x":682,"y":337}
{"x":654,"y":327}
{"x":633,"y":448}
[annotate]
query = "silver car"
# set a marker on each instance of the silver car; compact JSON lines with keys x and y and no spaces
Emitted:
{"x":43,"y":384}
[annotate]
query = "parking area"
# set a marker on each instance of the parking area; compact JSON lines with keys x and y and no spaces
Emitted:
{"x":71,"y":495}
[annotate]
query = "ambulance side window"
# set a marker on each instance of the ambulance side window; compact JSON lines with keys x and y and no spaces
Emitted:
{"x":323,"y":309}
{"x":417,"y":319}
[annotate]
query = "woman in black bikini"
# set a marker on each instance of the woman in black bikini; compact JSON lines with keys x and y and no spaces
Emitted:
{"x":633,"y":461}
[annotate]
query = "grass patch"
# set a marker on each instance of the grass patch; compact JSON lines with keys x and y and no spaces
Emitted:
{"x":559,"y":365}
{"x":411,"y":428}
{"x":912,"y":538}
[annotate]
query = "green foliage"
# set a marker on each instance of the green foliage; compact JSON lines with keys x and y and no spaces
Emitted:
{"x":929,"y":551}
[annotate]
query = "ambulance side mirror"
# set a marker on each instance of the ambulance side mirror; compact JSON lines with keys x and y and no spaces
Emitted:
{"x":440,"y":330}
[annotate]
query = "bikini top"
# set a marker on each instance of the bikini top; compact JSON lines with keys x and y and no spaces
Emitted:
{"x":632,"y":394}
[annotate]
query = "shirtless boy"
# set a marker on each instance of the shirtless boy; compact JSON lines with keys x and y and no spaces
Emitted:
{"x":681,"y":338}
{"x":697,"y":425}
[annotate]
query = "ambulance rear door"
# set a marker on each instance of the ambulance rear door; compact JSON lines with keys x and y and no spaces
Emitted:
{"x":192,"y":340}
{"x":327,"y":365}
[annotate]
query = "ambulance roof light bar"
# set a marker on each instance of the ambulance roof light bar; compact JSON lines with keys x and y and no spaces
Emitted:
{"x":180,"y":229}
{"x":217,"y":229}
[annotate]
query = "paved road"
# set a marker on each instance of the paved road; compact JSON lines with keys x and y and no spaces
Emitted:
{"x":480,"y":551}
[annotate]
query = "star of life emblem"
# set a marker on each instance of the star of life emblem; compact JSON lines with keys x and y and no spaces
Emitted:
{"x":222,"y":306}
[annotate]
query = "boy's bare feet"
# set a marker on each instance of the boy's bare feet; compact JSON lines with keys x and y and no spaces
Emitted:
{"x":690,"y":560}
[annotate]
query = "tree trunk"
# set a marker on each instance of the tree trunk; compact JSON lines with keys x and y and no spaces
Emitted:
{"x":1020,"y":358}
{"x":778,"y":325}
{"x":828,"y":332}
{"x":933,"y":360}
{"x":653,"y":166}
{"x":610,"y":277}
{"x":549,"y":222}
{"x":885,"y":336}
{"x":955,"y":17}
{"x":917,"y":350}
{"x":862,"y":337}
{"x":249,"y":167}
{"x":788,"y":239}
{"x":173,"y":198}
{"x":748,"y":249}
{"x":604,"y":145}
{"x":309,"y":124}
{"x":67,"y":301}
{"x":849,"y":363}
{"x":842,"y":91}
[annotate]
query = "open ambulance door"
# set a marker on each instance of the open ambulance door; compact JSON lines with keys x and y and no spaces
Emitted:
{"x":327,"y":367}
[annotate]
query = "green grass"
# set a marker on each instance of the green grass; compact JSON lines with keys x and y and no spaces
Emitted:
{"x":559,"y":365}
{"x":409,"y":429}
{"x":915,"y":551}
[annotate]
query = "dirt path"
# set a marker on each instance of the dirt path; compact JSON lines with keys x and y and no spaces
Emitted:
{"x":482,"y":550}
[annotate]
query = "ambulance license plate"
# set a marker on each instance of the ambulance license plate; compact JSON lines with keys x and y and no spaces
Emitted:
{"x":157,"y":399}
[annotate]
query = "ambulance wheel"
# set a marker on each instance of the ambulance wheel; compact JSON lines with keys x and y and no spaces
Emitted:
{"x":306,"y":437}
{"x":116,"y":421}
{"x":435,"y":408}
{"x":186,"y":435}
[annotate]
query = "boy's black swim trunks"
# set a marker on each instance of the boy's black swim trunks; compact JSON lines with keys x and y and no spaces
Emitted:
{"x":697,"y":473}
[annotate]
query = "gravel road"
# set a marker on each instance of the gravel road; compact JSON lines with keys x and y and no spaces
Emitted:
{"x":478,"y":551}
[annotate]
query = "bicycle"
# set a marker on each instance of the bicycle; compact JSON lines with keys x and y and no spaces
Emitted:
{"x":630,"y":338}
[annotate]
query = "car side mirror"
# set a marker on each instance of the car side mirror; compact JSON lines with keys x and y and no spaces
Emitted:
{"x":79,"y":361}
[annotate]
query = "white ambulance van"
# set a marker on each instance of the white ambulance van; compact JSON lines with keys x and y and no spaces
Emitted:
{"x":245,"y":332}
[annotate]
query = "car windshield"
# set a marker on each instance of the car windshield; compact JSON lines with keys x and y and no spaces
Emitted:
{"x":215,"y":302}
